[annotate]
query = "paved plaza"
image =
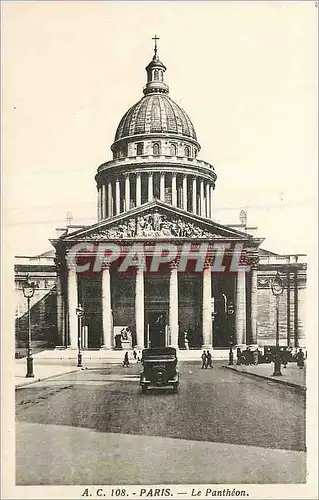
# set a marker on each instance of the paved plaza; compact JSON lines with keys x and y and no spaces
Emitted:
{"x":94,"y":426}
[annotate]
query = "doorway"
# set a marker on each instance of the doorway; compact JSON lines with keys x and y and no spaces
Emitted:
{"x":157,"y":321}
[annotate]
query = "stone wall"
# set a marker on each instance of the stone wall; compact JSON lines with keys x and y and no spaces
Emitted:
{"x":43,"y":319}
{"x":266,"y":325}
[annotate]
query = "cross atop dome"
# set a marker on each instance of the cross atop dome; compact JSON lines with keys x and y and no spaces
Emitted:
{"x":155,"y":73}
{"x":155,"y":38}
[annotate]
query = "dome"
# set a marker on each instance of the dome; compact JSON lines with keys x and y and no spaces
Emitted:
{"x":155,"y":113}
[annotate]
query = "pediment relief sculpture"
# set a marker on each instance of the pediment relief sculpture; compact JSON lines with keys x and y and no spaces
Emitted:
{"x":151,"y":226}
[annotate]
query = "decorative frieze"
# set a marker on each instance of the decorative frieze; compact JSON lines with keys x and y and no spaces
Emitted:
{"x":150,"y":226}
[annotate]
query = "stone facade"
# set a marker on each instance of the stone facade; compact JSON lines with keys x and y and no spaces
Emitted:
{"x":156,"y":191}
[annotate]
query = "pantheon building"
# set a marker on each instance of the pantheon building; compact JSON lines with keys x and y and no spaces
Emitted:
{"x":157,"y":193}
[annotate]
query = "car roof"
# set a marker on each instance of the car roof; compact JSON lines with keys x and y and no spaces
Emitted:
{"x":158,"y":351}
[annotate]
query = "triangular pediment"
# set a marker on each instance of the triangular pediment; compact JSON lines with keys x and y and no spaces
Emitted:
{"x":156,"y":220}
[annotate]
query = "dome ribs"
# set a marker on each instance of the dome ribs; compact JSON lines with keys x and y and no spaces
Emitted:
{"x":140,"y":123}
{"x":119,"y":130}
{"x":133,"y":123}
{"x":170,"y":117}
{"x":155,"y":113}
{"x":156,"y":125}
{"x":148,"y":114}
{"x":163,"y":115}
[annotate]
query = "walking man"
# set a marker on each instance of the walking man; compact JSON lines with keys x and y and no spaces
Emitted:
{"x":204,"y":360}
{"x":209,"y":362}
{"x":126,"y":362}
{"x":300,"y":359}
{"x":239,"y":356}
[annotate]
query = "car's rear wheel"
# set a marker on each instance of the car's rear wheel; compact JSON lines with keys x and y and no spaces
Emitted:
{"x":144,"y":389}
{"x":175,"y":388}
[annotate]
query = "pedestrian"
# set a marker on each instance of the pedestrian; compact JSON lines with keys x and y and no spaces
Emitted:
{"x":134,"y":354}
{"x":255,"y":356}
{"x":238,"y":356}
{"x":245,"y":357}
{"x":209,"y":362}
{"x":285,"y":356}
{"x":126,"y":362}
{"x":300,"y":359}
{"x":204,"y":360}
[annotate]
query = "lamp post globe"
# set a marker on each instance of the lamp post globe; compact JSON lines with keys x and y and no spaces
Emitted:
{"x":277,"y":288}
{"x":28,"y":292}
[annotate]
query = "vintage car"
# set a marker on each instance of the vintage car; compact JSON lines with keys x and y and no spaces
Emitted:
{"x":159,"y":368}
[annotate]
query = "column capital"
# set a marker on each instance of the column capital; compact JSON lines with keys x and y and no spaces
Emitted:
{"x":70,"y":262}
{"x":139,"y":268}
{"x":253,"y":260}
{"x":208,"y":263}
{"x":174,"y":264}
{"x":106,"y":265}
{"x":59,"y":261}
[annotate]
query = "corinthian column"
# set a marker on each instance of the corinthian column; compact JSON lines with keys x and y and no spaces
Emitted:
{"x":207,"y":307}
{"x":207,"y":200}
{"x":138,"y":190}
{"x":241,"y":308}
{"x":106,"y":308}
{"x":202,"y":200}
{"x":253,"y":305}
{"x":150,"y":187}
{"x":162,"y":186}
{"x":139,"y":308}
{"x":174,"y":190}
{"x":173,"y":305}
{"x":211,"y":201}
{"x":117,"y":196}
{"x":72,"y":306}
{"x":109,"y":200}
{"x":103,"y":202}
{"x":99,"y":203}
{"x":194,"y":196}
{"x":185,"y":192}
{"x":127,"y":192}
{"x":60,"y":306}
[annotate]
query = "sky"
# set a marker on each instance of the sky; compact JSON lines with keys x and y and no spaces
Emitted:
{"x":245,"y":72}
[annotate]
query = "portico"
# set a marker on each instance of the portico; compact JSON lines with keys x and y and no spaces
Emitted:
{"x":161,"y":300}
{"x":155,"y":190}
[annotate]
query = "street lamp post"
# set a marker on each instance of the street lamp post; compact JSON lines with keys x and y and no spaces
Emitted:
{"x":28,"y":292}
{"x":79,"y":313}
{"x":277,"y":289}
{"x":231,"y":354}
{"x":230,"y":310}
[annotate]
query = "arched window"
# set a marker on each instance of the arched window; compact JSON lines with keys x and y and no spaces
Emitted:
{"x":156,"y":74}
{"x":195,"y":152}
{"x":187,"y":151}
{"x":173,"y":149}
{"x":156,"y":149}
{"x":139,"y":149}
